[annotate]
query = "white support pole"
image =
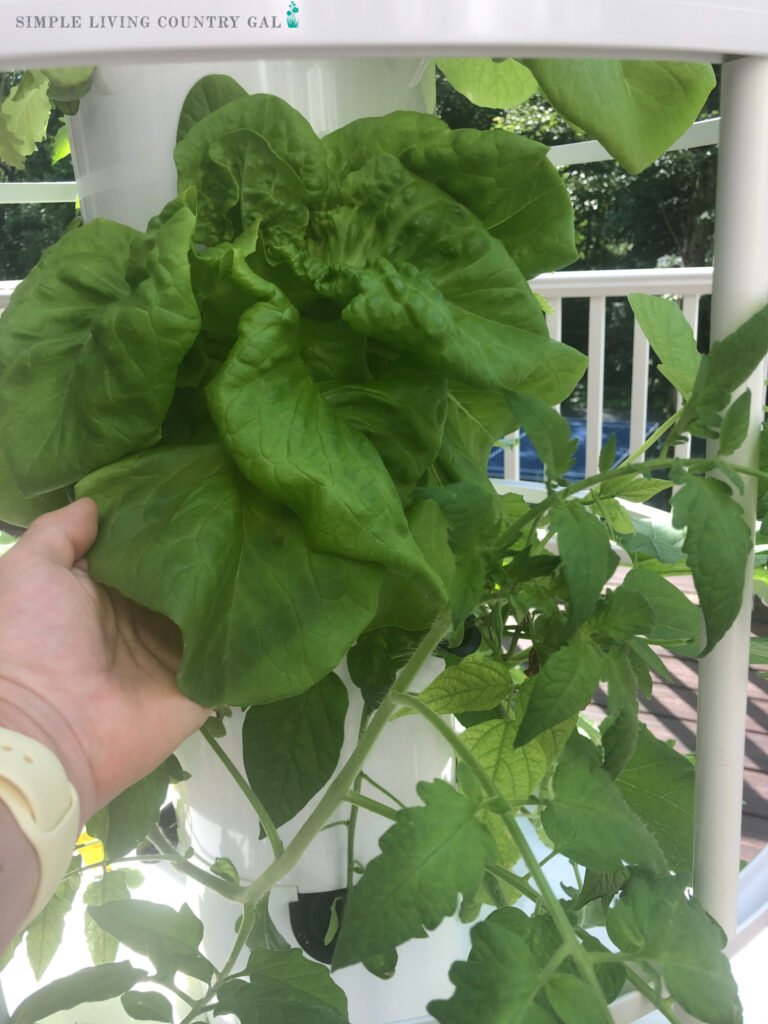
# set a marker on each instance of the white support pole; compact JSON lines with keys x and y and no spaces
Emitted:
{"x":638,"y":405}
{"x":740,"y":289}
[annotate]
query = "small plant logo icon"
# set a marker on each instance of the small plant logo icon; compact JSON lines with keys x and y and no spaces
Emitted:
{"x":292,"y":15}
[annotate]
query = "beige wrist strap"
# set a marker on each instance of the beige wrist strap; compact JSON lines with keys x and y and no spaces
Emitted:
{"x":36,"y":790}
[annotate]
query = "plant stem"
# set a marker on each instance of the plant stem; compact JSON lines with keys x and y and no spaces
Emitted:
{"x":573,"y":946}
{"x":651,"y":441}
{"x":344,"y":780}
{"x":352,"y":820}
{"x":369,"y":804}
{"x":246,"y":925}
{"x":219,"y":885}
{"x":266,"y":821}
{"x":514,"y":880}
{"x":381,"y":789}
{"x":661,"y":1003}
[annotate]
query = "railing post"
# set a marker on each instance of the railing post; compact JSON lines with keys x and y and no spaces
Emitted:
{"x":740,"y":289}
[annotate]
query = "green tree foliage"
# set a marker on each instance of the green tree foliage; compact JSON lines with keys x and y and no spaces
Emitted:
{"x":27,"y":229}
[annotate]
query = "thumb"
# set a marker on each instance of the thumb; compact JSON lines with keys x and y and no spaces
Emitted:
{"x":63,"y":536}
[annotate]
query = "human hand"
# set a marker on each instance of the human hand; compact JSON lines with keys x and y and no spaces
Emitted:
{"x":82,"y":669}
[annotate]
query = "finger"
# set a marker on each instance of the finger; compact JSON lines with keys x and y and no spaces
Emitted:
{"x":63,"y":536}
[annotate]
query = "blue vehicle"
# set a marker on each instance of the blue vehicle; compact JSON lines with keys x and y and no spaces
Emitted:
{"x":531,"y":467}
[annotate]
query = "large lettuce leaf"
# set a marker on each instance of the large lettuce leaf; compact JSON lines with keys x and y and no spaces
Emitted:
{"x":91,"y":344}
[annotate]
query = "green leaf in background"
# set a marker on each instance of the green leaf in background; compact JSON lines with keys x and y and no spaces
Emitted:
{"x":498,"y":984}
{"x":726,"y":367}
{"x":18,"y":510}
{"x":475,"y":684}
{"x":10,"y":146}
{"x":678,"y":619}
{"x":375,"y":660}
{"x":660,"y":540}
{"x":127,"y":819}
{"x":587,"y":558}
{"x":291,"y":747}
{"x":588,"y":819}
{"x":112,"y":886}
{"x":44,"y":934}
{"x":488,"y":83}
{"x":471,"y":511}
{"x":619,"y":729}
{"x":224,"y":868}
{"x":61,"y":146}
{"x":263,"y":616}
{"x":658,"y":784}
{"x":27,"y":110}
{"x":285,"y":987}
{"x":111,"y":348}
{"x":170,"y":938}
{"x":91,"y":985}
{"x":206,"y":95}
{"x":636,"y":108}
{"x":429,"y":857}
{"x":573,"y":1000}
{"x":717,"y":544}
{"x":607,"y":454}
{"x":560,"y":690}
{"x":733,"y":431}
{"x":147,"y":1006}
{"x":671,"y":338}
{"x":548,"y":431}
{"x":653,"y":921}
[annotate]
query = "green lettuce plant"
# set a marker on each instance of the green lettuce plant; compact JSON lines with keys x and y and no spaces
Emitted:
{"x":282,"y":396}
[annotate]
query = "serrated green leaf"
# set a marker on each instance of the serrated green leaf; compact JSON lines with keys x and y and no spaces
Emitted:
{"x":44,"y":934}
{"x":170,"y":938}
{"x":91,"y":985}
{"x":376,"y":658}
{"x":735,"y":425}
{"x":560,"y":690}
{"x":10,"y":146}
{"x":429,"y":857}
{"x":475,"y":684}
{"x":516,"y":771}
{"x":112,"y":886}
{"x":548,"y":431}
{"x":671,"y":338}
{"x":607,"y":454}
{"x":61,"y":147}
{"x":717,"y":544}
{"x":678,"y":619}
{"x":588,"y":819}
{"x":615,"y":515}
{"x":264,"y":934}
{"x":635,"y":108}
{"x":291,"y":747}
{"x":726,"y":367}
{"x":658,"y":784}
{"x":147,"y":1006}
{"x":619,"y":730}
{"x":654,"y":922}
{"x":285,"y":987}
{"x":498,"y":984}
{"x":637,"y":488}
{"x":588,"y":561}
{"x":660,"y":540}
{"x":502,"y":84}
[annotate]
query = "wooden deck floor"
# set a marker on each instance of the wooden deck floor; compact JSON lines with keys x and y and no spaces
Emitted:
{"x":670,"y":713}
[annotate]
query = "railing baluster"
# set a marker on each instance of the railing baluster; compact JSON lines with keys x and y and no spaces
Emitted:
{"x":512,"y":458}
{"x":595,"y":375}
{"x":691,"y":314}
{"x":638,"y":408}
{"x":555,"y":319}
